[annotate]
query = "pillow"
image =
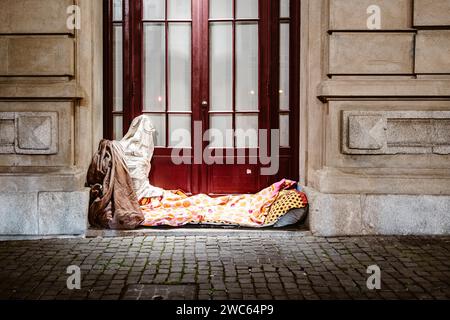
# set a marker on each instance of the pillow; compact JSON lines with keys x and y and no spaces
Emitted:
{"x":293,"y":217}
{"x":287,"y":200}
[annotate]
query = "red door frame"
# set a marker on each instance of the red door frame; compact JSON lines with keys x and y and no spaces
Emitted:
{"x":269,"y":78}
{"x":289,"y":157}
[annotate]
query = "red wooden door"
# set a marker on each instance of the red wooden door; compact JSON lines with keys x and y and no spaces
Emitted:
{"x":233,"y":93}
{"x":210,"y":75}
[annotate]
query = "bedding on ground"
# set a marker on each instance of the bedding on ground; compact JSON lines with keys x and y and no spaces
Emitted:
{"x":123,"y":198}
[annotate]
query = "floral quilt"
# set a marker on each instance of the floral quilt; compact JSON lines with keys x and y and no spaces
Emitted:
{"x":176,"y":209}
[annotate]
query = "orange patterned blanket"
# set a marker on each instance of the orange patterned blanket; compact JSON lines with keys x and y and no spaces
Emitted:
{"x":176,"y":209}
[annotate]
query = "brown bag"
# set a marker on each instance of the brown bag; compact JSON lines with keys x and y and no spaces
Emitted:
{"x":113,"y":202}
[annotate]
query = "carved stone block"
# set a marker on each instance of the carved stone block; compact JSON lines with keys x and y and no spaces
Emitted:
{"x":37,"y":56}
{"x":433,"y":52}
{"x":29,"y":133}
{"x":31,"y":16}
{"x":63,"y":212}
{"x":367,"y":132}
{"x":19,"y":213}
{"x":396,"y":132}
{"x":430,"y":13}
{"x":371,"y":53}
{"x":352,"y":14}
{"x":37,"y":133}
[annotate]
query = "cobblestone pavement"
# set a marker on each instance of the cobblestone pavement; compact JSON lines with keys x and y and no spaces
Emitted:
{"x":233,"y":266}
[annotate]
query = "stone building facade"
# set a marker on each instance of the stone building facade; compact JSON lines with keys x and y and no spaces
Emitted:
{"x":374,"y":115}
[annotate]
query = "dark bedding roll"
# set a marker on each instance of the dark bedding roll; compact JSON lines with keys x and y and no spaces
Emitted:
{"x":113,"y":201}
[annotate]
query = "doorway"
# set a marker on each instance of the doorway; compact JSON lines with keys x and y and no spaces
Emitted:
{"x":220,"y":69}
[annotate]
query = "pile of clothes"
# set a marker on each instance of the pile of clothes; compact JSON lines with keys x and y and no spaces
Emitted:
{"x":123,"y":198}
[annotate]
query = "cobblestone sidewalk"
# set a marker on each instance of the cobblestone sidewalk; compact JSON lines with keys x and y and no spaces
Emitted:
{"x":235,"y":266}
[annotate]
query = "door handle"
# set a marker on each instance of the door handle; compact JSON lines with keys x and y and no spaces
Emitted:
{"x":204,"y":110}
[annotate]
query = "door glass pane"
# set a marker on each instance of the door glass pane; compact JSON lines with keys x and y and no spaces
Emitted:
{"x":118,"y":128}
{"x":221,"y":68}
{"x":117,"y":10}
{"x":220,"y":9}
{"x":154,"y":67}
{"x":284,"y":130}
{"x":247,"y":9}
{"x":221,"y":131}
{"x":179,"y":9}
{"x":180,"y":67}
{"x":180,"y":131}
{"x":284,"y":66}
{"x":284,"y":8}
{"x":246,"y":131}
{"x":154,"y":9}
{"x":246,"y":66}
{"x":118,"y":68}
{"x":159,"y":123}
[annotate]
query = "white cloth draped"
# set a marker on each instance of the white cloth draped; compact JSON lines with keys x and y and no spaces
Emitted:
{"x":138,"y":147}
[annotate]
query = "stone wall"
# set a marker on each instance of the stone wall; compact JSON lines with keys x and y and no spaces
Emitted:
{"x":376,"y":147}
{"x":50,"y":99}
